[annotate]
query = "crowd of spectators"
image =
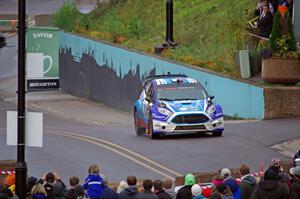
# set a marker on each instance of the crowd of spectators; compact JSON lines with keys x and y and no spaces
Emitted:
{"x":265,"y":10}
{"x":274,"y":183}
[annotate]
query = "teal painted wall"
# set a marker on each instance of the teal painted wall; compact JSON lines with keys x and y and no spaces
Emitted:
{"x":237,"y":98}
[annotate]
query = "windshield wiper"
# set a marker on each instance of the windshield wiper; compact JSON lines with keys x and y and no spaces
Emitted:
{"x":165,"y":99}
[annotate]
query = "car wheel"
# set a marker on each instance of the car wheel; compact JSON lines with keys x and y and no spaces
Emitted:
{"x":150,"y":128}
{"x":138,"y":129}
{"x":217,"y":133}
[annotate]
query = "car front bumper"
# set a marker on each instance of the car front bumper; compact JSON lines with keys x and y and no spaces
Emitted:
{"x":172,"y":128}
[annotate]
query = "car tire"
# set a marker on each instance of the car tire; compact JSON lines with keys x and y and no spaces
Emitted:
{"x":138,"y":130}
{"x":150,"y":128}
{"x":217,"y":133}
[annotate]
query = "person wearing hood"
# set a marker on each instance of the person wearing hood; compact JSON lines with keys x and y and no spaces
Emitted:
{"x":270,"y":187}
{"x":234,"y":188}
{"x":248,"y":182}
{"x":131,"y":191}
{"x":197,"y":192}
{"x":185,"y":192}
{"x":94,"y":184}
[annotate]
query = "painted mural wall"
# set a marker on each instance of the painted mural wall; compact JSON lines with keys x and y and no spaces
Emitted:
{"x":113,"y":76}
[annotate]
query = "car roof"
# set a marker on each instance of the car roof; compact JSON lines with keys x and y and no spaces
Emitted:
{"x":174,"y":80}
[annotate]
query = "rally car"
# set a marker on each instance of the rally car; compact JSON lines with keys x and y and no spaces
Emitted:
{"x":176,"y":104}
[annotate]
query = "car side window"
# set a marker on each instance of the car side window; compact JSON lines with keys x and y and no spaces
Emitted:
{"x":149,"y":91}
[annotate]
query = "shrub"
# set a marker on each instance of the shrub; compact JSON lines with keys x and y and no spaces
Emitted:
{"x":282,"y":40}
{"x":66,"y":17}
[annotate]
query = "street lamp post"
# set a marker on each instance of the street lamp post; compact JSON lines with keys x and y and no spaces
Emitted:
{"x":21,"y":167}
{"x":169,"y":40}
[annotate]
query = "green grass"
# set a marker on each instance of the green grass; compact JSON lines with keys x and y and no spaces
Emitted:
{"x":208,"y":32}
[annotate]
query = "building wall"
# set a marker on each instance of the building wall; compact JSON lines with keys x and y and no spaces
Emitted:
{"x":113,"y":75}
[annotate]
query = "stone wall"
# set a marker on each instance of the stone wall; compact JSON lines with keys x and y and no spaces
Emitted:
{"x":282,"y":102}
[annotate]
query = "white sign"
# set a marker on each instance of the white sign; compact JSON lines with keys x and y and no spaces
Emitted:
{"x":35,"y":65}
{"x":33,"y":131}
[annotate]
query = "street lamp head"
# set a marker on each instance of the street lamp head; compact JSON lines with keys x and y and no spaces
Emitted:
{"x":85,"y":6}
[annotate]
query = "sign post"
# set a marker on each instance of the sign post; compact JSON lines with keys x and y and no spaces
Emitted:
{"x":42,"y":58}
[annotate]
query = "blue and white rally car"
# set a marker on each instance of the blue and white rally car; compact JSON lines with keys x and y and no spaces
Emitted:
{"x":176,"y":104}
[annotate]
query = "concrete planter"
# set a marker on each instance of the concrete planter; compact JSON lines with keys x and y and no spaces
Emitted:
{"x":281,"y":70}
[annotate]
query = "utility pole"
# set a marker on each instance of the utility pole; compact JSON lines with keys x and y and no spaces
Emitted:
{"x":21,"y":167}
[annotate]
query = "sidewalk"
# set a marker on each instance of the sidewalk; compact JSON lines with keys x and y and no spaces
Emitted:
{"x":62,"y":105}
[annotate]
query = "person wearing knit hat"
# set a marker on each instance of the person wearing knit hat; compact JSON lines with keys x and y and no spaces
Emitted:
{"x":10,"y":180}
{"x":197,"y":192}
{"x":225,"y":173}
{"x":185,"y":192}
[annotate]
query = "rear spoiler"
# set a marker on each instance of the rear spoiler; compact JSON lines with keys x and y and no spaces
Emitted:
{"x":149,"y":78}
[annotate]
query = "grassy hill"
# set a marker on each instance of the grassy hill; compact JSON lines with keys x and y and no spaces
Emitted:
{"x":208,"y":32}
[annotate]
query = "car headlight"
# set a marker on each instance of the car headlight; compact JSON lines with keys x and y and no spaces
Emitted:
{"x":164,"y":111}
{"x":211,"y":109}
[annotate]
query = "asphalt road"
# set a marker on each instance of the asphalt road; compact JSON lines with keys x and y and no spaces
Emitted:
{"x":33,"y":7}
{"x":69,"y":151}
{"x":69,"y":154}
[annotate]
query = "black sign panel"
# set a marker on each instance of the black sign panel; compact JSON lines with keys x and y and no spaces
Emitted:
{"x":42,"y":84}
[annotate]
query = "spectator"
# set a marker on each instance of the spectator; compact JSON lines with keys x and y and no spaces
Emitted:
{"x":51,"y":180}
{"x":3,"y":196}
{"x":225,"y":173}
{"x":234,"y":188}
{"x":217,"y":180}
{"x":265,"y":24}
{"x":270,"y":187}
{"x":296,"y":156}
{"x":169,"y":187}
{"x":6,"y":191}
{"x":108,"y":193}
{"x":295,"y":189}
{"x":38,"y":192}
{"x":10,"y":182}
{"x":122,"y":186}
{"x":94,"y":184}
{"x":131,"y":190}
{"x":276,"y":164}
{"x":222,"y":192}
{"x":147,"y":193}
{"x":30,"y":182}
{"x":248,"y":182}
{"x":259,"y":7}
{"x":197,"y":192}
{"x":159,"y":190}
{"x":185,"y":192}
{"x":275,"y":5}
{"x":76,"y":191}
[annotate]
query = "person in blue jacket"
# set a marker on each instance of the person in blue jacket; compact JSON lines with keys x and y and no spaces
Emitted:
{"x":94,"y":184}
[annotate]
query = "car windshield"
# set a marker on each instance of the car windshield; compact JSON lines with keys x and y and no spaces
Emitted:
{"x":181,"y":93}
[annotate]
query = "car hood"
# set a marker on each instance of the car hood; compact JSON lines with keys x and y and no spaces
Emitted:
{"x":186,"y":105}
